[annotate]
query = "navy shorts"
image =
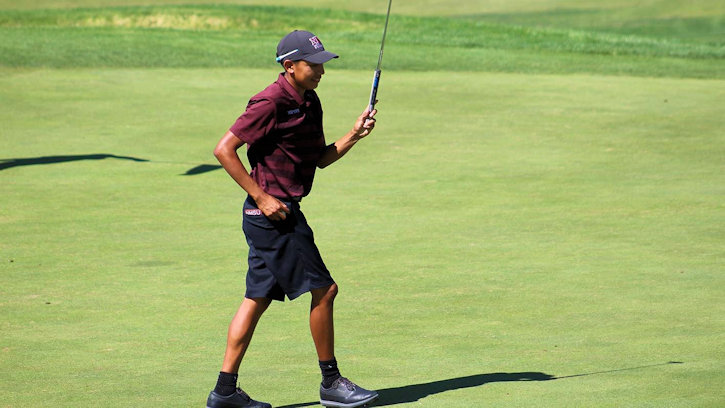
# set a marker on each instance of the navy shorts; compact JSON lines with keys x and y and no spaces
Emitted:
{"x":283,"y":257}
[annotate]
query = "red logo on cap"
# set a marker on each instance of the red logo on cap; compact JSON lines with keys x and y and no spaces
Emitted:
{"x":316,"y":42}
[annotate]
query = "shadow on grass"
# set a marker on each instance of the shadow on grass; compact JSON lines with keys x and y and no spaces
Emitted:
{"x":415,"y":392}
{"x":33,"y":161}
{"x":616,"y":370}
{"x":201,"y":169}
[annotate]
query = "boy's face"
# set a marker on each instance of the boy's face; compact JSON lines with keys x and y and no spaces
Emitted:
{"x":306,"y":75}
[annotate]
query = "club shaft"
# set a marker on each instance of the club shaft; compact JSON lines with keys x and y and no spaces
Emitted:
{"x":376,"y":78}
{"x":385,"y":31}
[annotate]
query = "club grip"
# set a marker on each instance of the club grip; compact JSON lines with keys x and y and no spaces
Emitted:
{"x":374,"y":91}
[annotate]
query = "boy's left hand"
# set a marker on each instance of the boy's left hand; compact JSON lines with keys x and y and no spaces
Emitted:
{"x":365,"y":123}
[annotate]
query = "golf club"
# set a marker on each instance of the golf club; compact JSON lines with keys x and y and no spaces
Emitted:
{"x":376,"y":78}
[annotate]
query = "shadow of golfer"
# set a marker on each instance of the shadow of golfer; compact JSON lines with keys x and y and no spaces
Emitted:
{"x":201,"y":169}
{"x":415,"y":392}
{"x":32,"y":161}
{"x":412,"y":393}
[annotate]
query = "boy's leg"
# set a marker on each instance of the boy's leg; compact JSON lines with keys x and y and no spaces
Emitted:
{"x":335,"y":390}
{"x":226,"y":394}
{"x":241,"y":330}
{"x":321,"y":321}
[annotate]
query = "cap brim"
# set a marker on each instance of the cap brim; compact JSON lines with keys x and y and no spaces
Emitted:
{"x":321,"y":57}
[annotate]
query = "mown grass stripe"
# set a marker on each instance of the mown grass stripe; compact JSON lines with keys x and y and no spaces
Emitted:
{"x":109,"y":47}
{"x":429,"y":31}
{"x":246,"y":36}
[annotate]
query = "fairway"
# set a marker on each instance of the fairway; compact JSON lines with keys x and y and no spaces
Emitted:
{"x":543,"y":228}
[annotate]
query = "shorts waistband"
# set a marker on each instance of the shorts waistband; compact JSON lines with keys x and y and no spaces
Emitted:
{"x":292,"y":199}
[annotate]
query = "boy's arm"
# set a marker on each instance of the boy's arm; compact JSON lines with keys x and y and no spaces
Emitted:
{"x":363,"y":126}
{"x":226,"y":153}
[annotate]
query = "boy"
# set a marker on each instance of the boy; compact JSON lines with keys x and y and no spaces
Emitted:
{"x":282,"y":127}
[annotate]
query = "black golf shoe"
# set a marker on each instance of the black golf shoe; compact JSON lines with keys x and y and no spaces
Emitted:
{"x":239,"y":399}
{"x":343,"y":393}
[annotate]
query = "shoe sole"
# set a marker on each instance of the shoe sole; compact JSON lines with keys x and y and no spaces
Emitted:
{"x":335,"y":404}
{"x":208,"y":406}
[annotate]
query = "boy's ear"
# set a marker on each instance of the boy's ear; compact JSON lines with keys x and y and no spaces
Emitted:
{"x":288,"y":66}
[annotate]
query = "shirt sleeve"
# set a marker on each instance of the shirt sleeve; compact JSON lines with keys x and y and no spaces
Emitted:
{"x":257,"y":121}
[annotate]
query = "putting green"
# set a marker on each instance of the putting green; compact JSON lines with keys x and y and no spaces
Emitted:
{"x":496,"y":231}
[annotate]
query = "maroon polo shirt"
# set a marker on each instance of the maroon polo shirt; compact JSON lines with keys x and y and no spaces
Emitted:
{"x":284,"y":137}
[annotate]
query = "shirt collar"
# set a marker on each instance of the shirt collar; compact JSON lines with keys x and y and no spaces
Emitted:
{"x":289,"y":89}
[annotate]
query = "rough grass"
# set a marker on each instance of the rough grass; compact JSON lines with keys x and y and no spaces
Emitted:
{"x":213,"y":36}
{"x":621,"y":8}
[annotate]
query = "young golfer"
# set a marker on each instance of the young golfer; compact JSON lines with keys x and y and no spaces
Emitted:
{"x":282,"y":128}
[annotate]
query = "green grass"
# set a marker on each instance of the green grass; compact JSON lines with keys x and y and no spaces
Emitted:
{"x":697,"y":20}
{"x":234,"y":36}
{"x":466,"y":241}
{"x":705,"y":29}
{"x":644,"y":8}
{"x":547,"y":206}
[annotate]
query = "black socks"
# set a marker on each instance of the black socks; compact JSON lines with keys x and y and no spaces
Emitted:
{"x":226,"y":384}
{"x":330,"y":373}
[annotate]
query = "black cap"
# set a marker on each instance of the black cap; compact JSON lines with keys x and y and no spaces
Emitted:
{"x":303,"y":45}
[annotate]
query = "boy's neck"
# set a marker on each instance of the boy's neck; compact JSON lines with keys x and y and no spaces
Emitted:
{"x":299,"y":89}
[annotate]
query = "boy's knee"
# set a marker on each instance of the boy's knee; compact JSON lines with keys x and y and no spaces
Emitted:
{"x":325,"y":295}
{"x":330,"y":294}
